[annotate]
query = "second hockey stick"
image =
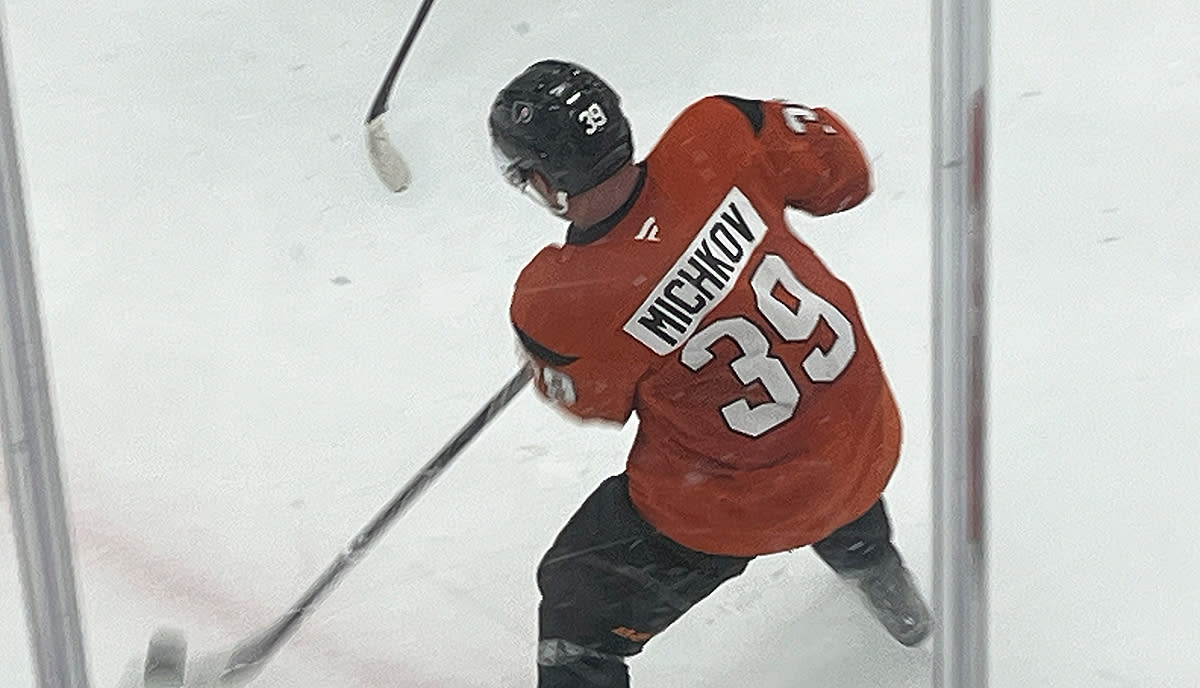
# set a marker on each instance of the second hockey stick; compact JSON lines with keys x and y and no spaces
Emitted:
{"x":386,"y":159}
{"x":166,"y":662}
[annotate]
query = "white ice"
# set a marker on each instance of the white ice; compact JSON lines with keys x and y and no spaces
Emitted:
{"x":253,"y":343}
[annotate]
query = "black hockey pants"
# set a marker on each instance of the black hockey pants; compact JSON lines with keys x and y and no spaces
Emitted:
{"x":610,"y":582}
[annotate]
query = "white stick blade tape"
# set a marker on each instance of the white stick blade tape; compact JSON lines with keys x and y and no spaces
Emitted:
{"x":388,"y":163}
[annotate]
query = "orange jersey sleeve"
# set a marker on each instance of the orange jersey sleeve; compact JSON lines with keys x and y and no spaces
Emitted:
{"x":820,"y":161}
{"x":558,"y":320}
{"x":817,"y":161}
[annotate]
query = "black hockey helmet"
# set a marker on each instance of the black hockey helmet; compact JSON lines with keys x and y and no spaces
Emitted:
{"x":562,"y":121}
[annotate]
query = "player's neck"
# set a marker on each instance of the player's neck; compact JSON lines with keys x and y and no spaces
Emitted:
{"x":604,"y":199}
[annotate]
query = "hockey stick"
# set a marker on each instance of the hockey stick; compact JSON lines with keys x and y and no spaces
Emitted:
{"x":166,"y":655}
{"x":386,"y":159}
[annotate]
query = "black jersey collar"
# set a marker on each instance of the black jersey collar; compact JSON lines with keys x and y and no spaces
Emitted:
{"x":579,"y":236}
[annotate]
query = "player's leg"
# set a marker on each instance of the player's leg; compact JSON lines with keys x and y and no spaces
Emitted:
{"x":609,"y":583}
{"x":862,"y":552}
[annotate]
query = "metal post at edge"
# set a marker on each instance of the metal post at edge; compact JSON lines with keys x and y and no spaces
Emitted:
{"x":960,"y":54}
{"x":30,"y":449}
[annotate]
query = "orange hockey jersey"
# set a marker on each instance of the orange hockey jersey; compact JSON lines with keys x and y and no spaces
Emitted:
{"x":765,"y":419}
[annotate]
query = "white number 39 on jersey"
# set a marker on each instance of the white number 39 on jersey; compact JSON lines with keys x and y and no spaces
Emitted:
{"x":799,"y":118}
{"x":756,"y":364}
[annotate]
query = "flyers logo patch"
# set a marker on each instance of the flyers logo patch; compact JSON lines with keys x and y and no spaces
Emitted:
{"x":522,"y":112}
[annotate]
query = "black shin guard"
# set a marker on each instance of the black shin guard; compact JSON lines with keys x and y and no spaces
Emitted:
{"x":861,"y":544}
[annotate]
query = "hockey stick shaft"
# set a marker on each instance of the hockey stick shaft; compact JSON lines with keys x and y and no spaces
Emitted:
{"x":248,"y":658}
{"x":379,"y":105}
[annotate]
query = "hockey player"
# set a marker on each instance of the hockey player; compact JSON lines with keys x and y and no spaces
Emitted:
{"x":765,"y":422}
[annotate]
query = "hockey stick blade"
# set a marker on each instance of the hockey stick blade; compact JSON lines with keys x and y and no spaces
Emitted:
{"x":168,"y":667}
{"x":390,"y":167}
{"x":166,"y":659}
{"x":385,"y":158}
{"x":165,"y":666}
{"x":236,"y":667}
